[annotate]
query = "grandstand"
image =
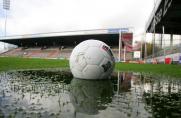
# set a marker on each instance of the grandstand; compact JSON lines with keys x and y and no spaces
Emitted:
{"x":165,"y":26}
{"x":57,"y":45}
{"x":33,"y":52}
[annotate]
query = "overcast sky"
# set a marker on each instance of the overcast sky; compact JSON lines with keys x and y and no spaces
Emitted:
{"x":35,"y":16}
{"x":32,"y":16}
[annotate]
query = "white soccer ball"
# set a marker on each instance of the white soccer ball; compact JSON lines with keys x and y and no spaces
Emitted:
{"x":92,"y":59}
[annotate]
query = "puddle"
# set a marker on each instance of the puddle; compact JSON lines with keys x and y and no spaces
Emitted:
{"x":52,"y":94}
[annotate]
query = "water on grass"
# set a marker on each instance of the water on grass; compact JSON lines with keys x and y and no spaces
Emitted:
{"x":54,"y":94}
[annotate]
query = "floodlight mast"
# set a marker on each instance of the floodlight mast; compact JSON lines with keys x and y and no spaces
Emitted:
{"x":6,"y":7}
{"x":120,"y":47}
{"x":154,"y":23}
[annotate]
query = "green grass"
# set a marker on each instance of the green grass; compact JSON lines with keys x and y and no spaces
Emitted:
{"x":14,"y":63}
{"x":161,"y":69}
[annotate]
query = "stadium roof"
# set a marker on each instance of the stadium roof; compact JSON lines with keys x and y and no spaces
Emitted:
{"x":167,"y":14}
{"x":70,"y":38}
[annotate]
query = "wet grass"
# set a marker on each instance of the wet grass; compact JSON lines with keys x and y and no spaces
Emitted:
{"x":14,"y":63}
{"x":161,"y":69}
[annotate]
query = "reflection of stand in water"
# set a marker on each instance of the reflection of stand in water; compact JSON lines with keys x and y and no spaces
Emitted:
{"x":123,"y":86}
{"x":124,"y":82}
{"x":129,"y":95}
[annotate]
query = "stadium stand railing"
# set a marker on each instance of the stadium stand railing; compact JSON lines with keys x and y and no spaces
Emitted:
{"x":166,"y":52}
{"x":48,"y":52}
{"x":33,"y":52}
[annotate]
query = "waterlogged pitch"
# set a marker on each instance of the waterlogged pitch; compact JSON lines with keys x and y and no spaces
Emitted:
{"x":92,"y":59}
{"x":56,"y":94}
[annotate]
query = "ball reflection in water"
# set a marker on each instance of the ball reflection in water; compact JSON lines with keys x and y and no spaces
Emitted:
{"x":90,"y":96}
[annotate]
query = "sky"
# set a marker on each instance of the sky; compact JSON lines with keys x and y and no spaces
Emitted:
{"x":42,"y":16}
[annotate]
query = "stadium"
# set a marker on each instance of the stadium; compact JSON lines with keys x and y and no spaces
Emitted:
{"x":60,"y":44}
{"x":120,"y":73}
{"x":164,"y":24}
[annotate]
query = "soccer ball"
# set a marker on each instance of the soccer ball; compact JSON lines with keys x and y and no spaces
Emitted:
{"x":91,"y":59}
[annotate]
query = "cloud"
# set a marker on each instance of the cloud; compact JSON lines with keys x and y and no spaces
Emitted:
{"x":35,"y":16}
